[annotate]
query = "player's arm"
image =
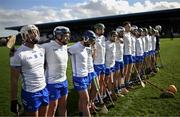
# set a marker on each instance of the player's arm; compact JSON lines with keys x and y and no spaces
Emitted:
{"x":15,"y":73}
{"x":15,"y":70}
{"x":94,"y":51}
{"x":15,"y":106}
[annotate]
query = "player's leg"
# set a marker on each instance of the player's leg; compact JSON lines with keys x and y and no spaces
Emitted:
{"x":84,"y":102}
{"x":93,"y":88}
{"x":116,"y":81}
{"x":81,"y":85}
{"x":109,"y":82}
{"x":101,"y":80}
{"x":62,"y":102}
{"x":117,"y":77}
{"x":52,"y":107}
{"x":128,"y":75}
{"x":100,"y":71}
{"x":54,"y":95}
{"x":126,"y":64}
{"x":43,"y":110}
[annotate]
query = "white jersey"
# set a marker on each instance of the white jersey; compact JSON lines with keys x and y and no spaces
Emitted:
{"x":150,"y":43}
{"x":31,"y":63}
{"x":127,"y":44}
{"x":110,"y":54}
{"x":90,"y":60}
{"x":139,"y":47}
{"x":146,"y":43}
{"x":119,"y":50}
{"x":133,"y":42}
{"x":143,"y":43}
{"x":56,"y":62}
{"x":100,"y":50}
{"x":79,"y":58}
{"x":153,"y":42}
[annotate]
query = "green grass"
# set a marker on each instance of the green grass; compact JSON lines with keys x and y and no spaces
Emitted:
{"x":139,"y":102}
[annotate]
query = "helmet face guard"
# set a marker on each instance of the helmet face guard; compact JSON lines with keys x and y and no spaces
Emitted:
{"x":64,"y":34}
{"x":158,"y":27}
{"x":30,"y":33}
{"x":89,"y":38}
{"x":113,"y":36}
{"x":120,"y":30}
{"x":61,"y":30}
{"x":134,"y":27}
{"x":99,"y":26}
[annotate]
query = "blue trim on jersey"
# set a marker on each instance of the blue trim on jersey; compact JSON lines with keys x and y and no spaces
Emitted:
{"x":33,"y":101}
{"x":57,"y":90}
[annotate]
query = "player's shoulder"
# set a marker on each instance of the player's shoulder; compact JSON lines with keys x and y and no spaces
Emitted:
{"x":47,"y":45}
{"x":74,"y":46}
{"x":40,"y":48}
{"x":20,"y":49}
{"x":77,"y":44}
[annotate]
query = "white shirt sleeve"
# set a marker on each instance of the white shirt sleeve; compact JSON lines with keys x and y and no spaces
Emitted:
{"x":72,"y":49}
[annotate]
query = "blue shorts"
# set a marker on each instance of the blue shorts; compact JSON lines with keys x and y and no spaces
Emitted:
{"x":91,"y":76}
{"x":33,"y":101}
{"x":146,"y":54}
{"x":57,"y":90}
{"x":80,"y":83}
{"x":149,"y":53}
{"x":127,"y":59}
{"x":119,"y":65}
{"x":100,"y":69}
{"x":153,"y":52}
{"x":133,"y":59}
{"x":110,"y":70}
{"x":139,"y":59}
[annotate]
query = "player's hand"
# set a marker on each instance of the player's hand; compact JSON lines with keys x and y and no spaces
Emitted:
{"x":15,"y":106}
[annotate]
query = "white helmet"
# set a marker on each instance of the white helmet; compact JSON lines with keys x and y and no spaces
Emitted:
{"x":25,"y":30}
{"x":134,"y":27}
{"x":61,"y":30}
{"x":158,"y":27}
{"x":120,"y":29}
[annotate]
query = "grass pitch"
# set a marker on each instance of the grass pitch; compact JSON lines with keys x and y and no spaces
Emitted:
{"x":139,"y":102}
